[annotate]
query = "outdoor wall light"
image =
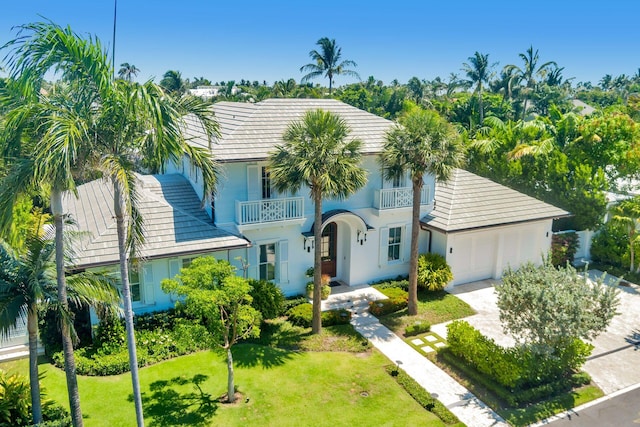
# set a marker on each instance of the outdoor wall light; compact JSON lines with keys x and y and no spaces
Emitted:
{"x":309,"y":243}
{"x":450,"y":250}
{"x":361,"y":237}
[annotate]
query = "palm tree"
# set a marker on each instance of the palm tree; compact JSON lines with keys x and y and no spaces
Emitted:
{"x":627,"y":213}
{"x":478,"y":71}
{"x":416,"y":88}
{"x":317,"y":154}
{"x":421,"y":143}
{"x":28,"y":282}
{"x":172,"y":82}
{"x":529,"y":72}
{"x":121,"y":125}
{"x":128,"y":71}
{"x":327,"y":62}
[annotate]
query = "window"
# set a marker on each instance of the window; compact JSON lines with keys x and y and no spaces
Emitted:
{"x":267,"y":261}
{"x":186,"y":262}
{"x":266,"y":183}
{"x":395,"y":242}
{"x":397,"y":181}
{"x":134,"y":284}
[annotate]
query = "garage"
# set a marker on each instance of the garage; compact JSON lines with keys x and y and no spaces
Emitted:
{"x":482,"y":227}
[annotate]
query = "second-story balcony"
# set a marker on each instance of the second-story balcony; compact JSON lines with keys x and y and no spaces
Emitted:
{"x":256,"y":212}
{"x":394,"y":198}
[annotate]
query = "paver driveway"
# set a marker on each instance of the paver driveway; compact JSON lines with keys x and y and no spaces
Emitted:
{"x":614,"y":362}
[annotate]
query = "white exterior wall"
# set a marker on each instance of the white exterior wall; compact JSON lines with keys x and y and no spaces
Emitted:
{"x":356,"y":263}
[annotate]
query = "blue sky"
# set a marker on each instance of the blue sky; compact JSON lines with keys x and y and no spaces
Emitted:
{"x":270,"y":40}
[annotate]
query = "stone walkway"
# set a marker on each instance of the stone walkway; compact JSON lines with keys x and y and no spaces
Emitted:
{"x":467,"y":407}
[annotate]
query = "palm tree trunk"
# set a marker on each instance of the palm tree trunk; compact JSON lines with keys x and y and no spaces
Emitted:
{"x":316,"y":323}
{"x":126,"y":296}
{"x":480,"y":106}
{"x":67,"y":343}
{"x":412,"y":307}
{"x":34,"y":382}
{"x":231,"y":389}
{"x":632,"y":252}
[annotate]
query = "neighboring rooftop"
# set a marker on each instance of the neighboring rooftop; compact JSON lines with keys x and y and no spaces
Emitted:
{"x":174,"y":222}
{"x":468,"y":201}
{"x":584,"y":109}
{"x":251,"y":131}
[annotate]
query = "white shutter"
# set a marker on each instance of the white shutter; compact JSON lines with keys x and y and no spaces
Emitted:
{"x":383,"y":256}
{"x":252,"y":254}
{"x":283,"y":261}
{"x":406,"y":243}
{"x":147,"y":278}
{"x":254,"y":188}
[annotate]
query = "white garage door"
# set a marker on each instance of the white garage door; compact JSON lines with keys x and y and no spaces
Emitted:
{"x":485,"y":254}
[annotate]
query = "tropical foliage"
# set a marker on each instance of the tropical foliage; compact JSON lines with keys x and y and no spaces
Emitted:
{"x":327,"y":62}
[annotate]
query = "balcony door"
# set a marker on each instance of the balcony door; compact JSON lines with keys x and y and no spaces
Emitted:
{"x":328,"y":249}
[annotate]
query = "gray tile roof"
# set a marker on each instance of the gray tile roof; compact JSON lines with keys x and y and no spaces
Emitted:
{"x":469,"y":201}
{"x":174,"y":222}
{"x":251,"y":131}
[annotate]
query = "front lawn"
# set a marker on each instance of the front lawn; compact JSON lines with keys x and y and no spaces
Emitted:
{"x":433,"y":307}
{"x":279,"y":387}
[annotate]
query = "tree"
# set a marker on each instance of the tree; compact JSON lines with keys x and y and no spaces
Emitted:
{"x":627,"y":214}
{"x":421,"y":143}
{"x":44,"y":141}
{"x":121,"y":125}
{"x":327,"y":62}
{"x":478,"y":70}
{"x":549,"y":307}
{"x":128,"y":71}
{"x":317,"y":153}
{"x":172,"y":82}
{"x":213,"y":292}
{"x":529,"y":72}
{"x":28,"y":282}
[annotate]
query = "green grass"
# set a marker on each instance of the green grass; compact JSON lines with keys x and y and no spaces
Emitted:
{"x":284,"y":388}
{"x":433,"y":307}
{"x":547,"y":408}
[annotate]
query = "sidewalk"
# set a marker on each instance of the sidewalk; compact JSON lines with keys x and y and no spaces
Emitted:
{"x":467,"y":407}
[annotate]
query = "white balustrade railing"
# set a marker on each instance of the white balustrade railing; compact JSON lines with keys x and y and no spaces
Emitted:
{"x":392,"y":198}
{"x":269,"y":210}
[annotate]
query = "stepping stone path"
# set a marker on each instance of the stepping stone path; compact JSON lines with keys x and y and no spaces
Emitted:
{"x":432,"y":340}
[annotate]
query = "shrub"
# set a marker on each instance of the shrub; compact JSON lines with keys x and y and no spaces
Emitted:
{"x":301,"y":315}
{"x":325,"y":291}
{"x":15,"y":399}
{"x":611,"y":245}
{"x":433,"y":272}
{"x":395,"y":293}
{"x":110,"y":334}
{"x":516,"y":367}
{"x":564,"y":247}
{"x":386,"y":306}
{"x":417,"y":328}
{"x":336,"y":317}
{"x":421,"y":396}
{"x":268,"y":299}
{"x":293,"y":301}
{"x":401,"y":282}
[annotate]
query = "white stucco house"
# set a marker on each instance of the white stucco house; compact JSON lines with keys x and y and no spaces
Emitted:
{"x":480,"y":226}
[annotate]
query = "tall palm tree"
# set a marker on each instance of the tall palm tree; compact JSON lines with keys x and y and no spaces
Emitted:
{"x":28,"y":282}
{"x":318,"y":154}
{"x":128,"y":71}
{"x":529,"y":72}
{"x":478,"y":70}
{"x":119,"y":125}
{"x":327,"y":63}
{"x":421,"y":143}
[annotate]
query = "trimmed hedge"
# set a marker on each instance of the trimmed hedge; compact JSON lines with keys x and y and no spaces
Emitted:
{"x":523,"y":376}
{"x":515,"y":397}
{"x":293,"y":301}
{"x":302,"y":315}
{"x":417,"y":328}
{"x":397,"y":300}
{"x":422,"y":396}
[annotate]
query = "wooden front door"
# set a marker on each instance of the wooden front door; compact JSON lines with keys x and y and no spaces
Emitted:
{"x":328,"y":249}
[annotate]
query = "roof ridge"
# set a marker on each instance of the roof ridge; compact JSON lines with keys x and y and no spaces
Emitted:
{"x":454,"y":184}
